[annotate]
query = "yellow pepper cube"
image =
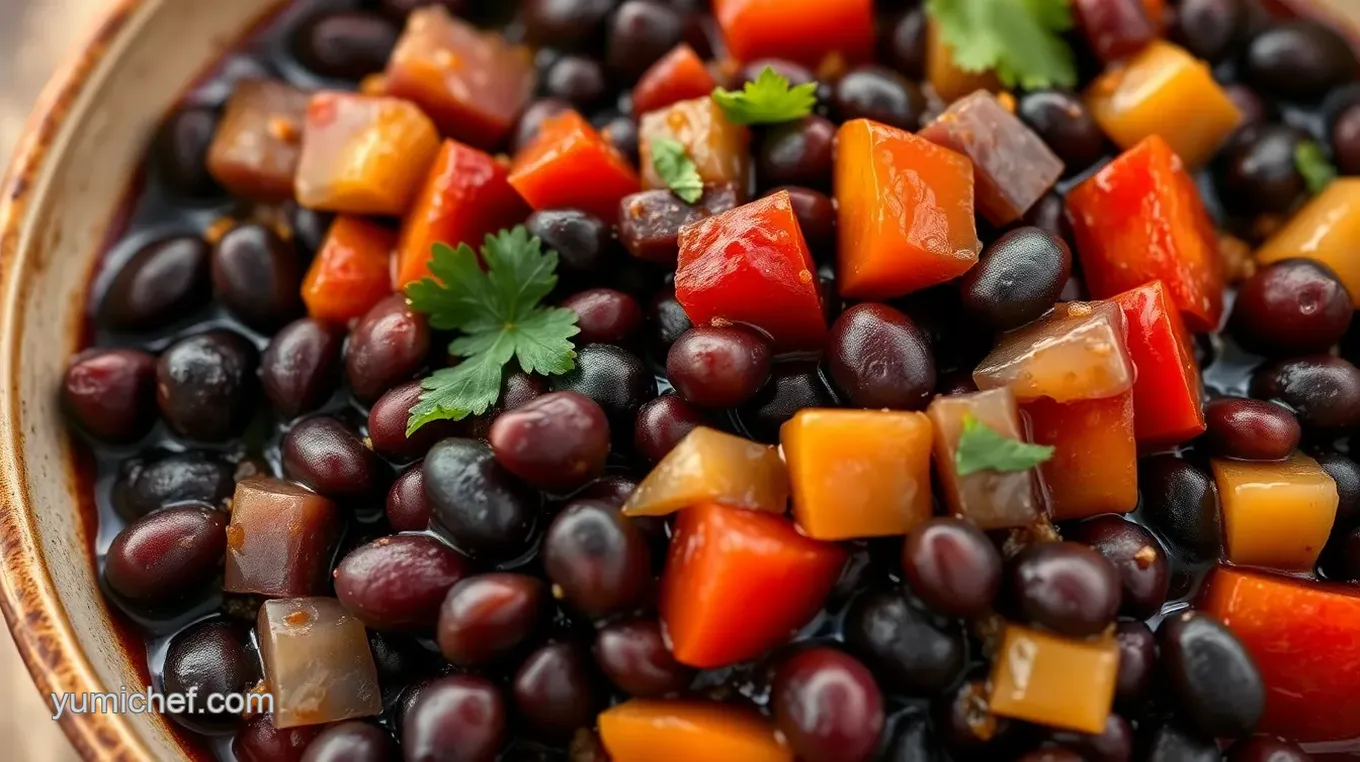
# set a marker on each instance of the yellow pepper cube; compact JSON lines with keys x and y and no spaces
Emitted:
{"x":1164,"y":91}
{"x":1054,"y":681}
{"x":1276,"y":514}
{"x":858,"y":473}
{"x":710,"y":466}
{"x":1324,"y":231}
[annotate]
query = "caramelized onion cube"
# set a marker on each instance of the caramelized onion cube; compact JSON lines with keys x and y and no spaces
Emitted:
{"x":280,"y":539}
{"x":317,"y":663}
{"x":710,"y":466}
{"x":255,"y":151}
{"x":1076,"y":353}
{"x":990,"y":499}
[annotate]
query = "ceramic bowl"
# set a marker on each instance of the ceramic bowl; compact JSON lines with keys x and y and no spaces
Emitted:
{"x":61,"y":199}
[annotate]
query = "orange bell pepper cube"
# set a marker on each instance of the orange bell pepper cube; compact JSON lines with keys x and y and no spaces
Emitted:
{"x":1305,"y":639}
{"x":644,"y":730}
{"x":351,"y":272}
{"x":680,"y":75}
{"x":751,"y":265}
{"x":1054,"y":681}
{"x":804,"y":31}
{"x":1141,"y":219}
{"x":738,"y":583}
{"x":858,"y":473}
{"x":1168,"y":405}
{"x":1276,"y":514}
{"x":905,"y":218}
{"x":1094,"y":468}
{"x":465,"y":197}
{"x":570,"y":165}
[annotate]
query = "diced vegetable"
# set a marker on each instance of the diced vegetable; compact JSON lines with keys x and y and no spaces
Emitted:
{"x":1164,"y":91}
{"x":708,"y":465}
{"x":644,"y":730}
{"x":255,"y":151}
{"x":719,"y":149}
{"x":472,"y":83}
{"x":1305,"y":639}
{"x":751,"y":265}
{"x":1013,"y":168}
{"x":280,"y":539}
{"x":905,"y":215}
{"x":1094,"y":468}
{"x":949,"y":81}
{"x":351,"y":272}
{"x":363,"y":154}
{"x":1054,"y":681}
{"x":804,"y":31}
{"x":650,"y":221}
{"x":1324,"y":231}
{"x":738,"y":583}
{"x":990,"y":499}
{"x":1076,"y":353}
{"x":679,"y":76}
{"x":465,"y":197}
{"x":570,"y":166}
{"x":1168,"y":406}
{"x":858,"y":473}
{"x":1276,"y":514}
{"x":1115,"y":28}
{"x":317,"y":662}
{"x":1141,"y":219}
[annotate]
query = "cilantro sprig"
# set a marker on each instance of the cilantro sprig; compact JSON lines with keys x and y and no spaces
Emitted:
{"x":767,"y":100}
{"x":1019,"y":39}
{"x":673,"y":164}
{"x":1311,"y":161}
{"x":500,"y":319}
{"x":982,"y":448}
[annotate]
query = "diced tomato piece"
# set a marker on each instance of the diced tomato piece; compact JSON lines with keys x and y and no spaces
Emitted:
{"x":472,"y":83}
{"x":680,"y":75}
{"x":1094,"y":468}
{"x":351,"y":272}
{"x":751,"y":265}
{"x":905,"y":216}
{"x":255,"y":152}
{"x":720,"y":149}
{"x":804,"y":31}
{"x":1305,"y":639}
{"x":466,"y":196}
{"x":643,"y":730}
{"x":1168,"y":405}
{"x":570,"y":165}
{"x":363,"y":154}
{"x":1141,"y":219}
{"x":738,"y":583}
{"x":1325,"y":231}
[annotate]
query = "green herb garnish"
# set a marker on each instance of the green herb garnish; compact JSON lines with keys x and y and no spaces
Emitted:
{"x":1312,"y":163}
{"x":982,"y":448}
{"x":677,"y":169}
{"x":767,"y":100}
{"x":499,"y":315}
{"x":1019,"y":39}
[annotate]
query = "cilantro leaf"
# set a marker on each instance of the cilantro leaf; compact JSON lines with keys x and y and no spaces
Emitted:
{"x":767,"y":100}
{"x":1312,"y":163}
{"x":982,"y":448}
{"x":1019,"y":39}
{"x":674,"y":165}
{"x":498,"y":314}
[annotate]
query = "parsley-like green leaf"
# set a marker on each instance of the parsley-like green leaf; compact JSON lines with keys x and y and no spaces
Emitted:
{"x":1019,"y":39}
{"x":1312,"y":163}
{"x":982,"y":448}
{"x":497,"y":312}
{"x":767,"y":100}
{"x":674,"y":165}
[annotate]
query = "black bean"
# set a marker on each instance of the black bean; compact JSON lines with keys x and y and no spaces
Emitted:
{"x":1180,"y":500}
{"x":1018,"y":279}
{"x":144,"y":486}
{"x":1299,"y":60}
{"x":1323,"y":391}
{"x":258,"y":276}
{"x":909,"y":653}
{"x":180,"y":151}
{"x":163,"y":282}
{"x":1217,"y":686}
{"x":345,"y":44}
{"x":205,"y":385}
{"x":300,"y":368}
{"x":475,"y":501}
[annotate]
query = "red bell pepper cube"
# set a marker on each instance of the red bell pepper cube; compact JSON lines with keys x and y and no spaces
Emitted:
{"x":1168,"y":405}
{"x":472,"y":83}
{"x":1305,"y":639}
{"x":905,"y":212}
{"x":1141,"y":219}
{"x":351,"y":272}
{"x":680,"y":75}
{"x":805,"y":31}
{"x":570,"y":165}
{"x":751,"y":265}
{"x":1094,"y":468}
{"x":466,"y":196}
{"x":738,"y":583}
